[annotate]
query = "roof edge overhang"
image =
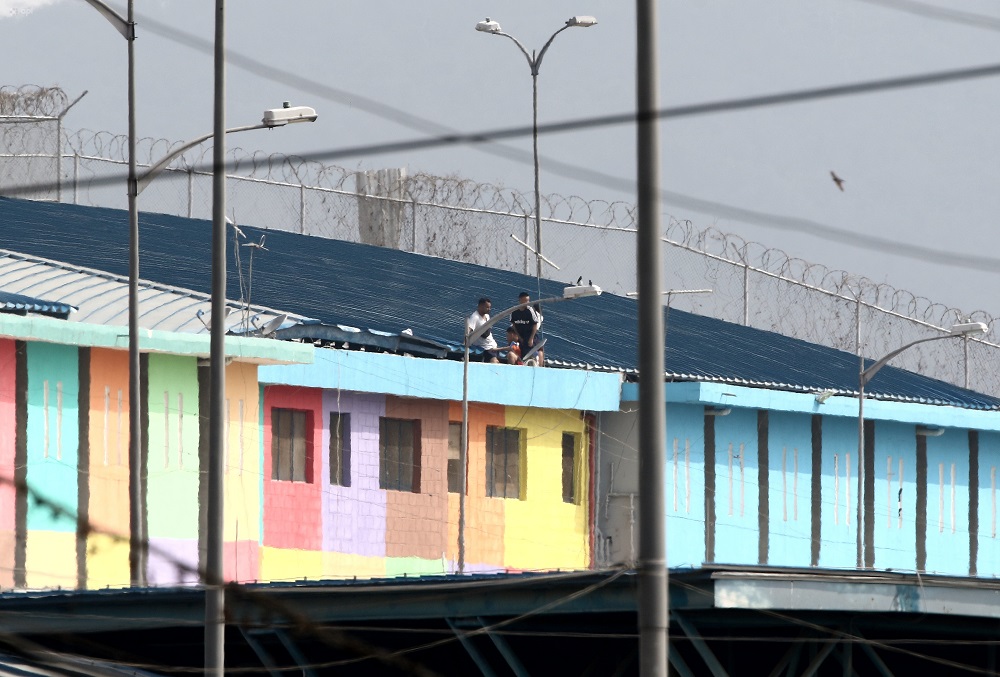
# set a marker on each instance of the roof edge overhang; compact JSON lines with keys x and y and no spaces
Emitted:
{"x":386,"y":374}
{"x":240,"y":349}
{"x":729,"y":395}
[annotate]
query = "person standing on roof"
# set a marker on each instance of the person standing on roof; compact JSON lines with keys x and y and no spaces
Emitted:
{"x":477,"y":320}
{"x":527,"y":320}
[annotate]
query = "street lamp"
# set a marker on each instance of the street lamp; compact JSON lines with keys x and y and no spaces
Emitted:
{"x":963,"y":329}
{"x":126,"y":26}
{"x":275,"y":117}
{"x":534,"y":63}
{"x":569,"y":293}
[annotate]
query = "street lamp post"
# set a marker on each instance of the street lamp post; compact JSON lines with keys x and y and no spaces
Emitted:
{"x":569,"y":293}
{"x":126,"y":26}
{"x":534,"y":63}
{"x":961,"y":330}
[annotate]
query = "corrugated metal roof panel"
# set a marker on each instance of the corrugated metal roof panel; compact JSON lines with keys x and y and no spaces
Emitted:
{"x":387,"y":290}
{"x":101,"y":297}
{"x":22,"y":304}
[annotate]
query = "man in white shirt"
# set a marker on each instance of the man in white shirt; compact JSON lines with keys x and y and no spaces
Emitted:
{"x":486,"y":341}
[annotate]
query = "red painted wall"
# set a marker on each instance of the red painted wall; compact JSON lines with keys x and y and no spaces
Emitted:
{"x":292,"y":510}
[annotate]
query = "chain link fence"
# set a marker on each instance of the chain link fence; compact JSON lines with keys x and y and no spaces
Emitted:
{"x":493,"y":226}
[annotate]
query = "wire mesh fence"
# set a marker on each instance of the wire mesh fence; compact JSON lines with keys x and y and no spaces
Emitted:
{"x":493,"y":226}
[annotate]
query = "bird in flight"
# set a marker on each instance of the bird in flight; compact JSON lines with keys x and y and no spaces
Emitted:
{"x":837,"y":180}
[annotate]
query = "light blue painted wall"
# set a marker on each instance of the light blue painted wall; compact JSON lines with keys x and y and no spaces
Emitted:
{"x":895,"y":505}
{"x":442,"y":380}
{"x":685,"y":486}
{"x":839,"y":494}
{"x":988,"y":559}
{"x":948,"y":503}
{"x":789,"y":480}
{"x":736,"y":487}
{"x":53,"y":433}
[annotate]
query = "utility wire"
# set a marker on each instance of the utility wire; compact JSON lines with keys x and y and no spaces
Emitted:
{"x":942,"y":13}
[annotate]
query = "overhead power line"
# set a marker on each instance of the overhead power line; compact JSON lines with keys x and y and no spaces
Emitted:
{"x":941,"y":13}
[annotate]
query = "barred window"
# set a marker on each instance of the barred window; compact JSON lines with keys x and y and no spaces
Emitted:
{"x":340,"y":449}
{"x":455,"y":458}
{"x":503,"y":462}
{"x":290,"y":452}
{"x":570,"y":468}
{"x":399,"y":455}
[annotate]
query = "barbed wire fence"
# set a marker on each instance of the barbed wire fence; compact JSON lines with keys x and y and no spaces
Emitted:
{"x":460,"y":219}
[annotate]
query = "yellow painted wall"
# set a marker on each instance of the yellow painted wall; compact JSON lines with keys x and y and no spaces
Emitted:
{"x":243,"y":461}
{"x":107,"y":562}
{"x":51,"y":560}
{"x":541,"y":531}
{"x":343,"y":565}
{"x":280,"y":564}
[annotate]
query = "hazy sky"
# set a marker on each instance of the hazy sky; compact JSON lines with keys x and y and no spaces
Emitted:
{"x":920,"y":165}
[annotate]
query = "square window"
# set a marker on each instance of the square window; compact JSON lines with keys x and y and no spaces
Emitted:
{"x":570,"y":468}
{"x":291,"y":452}
{"x":503,"y":462}
{"x":455,"y":458}
{"x":340,"y":449}
{"x":399,"y":455}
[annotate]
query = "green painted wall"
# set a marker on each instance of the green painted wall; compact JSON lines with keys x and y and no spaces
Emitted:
{"x":172,"y":462}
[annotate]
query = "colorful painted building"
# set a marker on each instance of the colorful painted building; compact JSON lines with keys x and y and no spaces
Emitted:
{"x":342,"y":466}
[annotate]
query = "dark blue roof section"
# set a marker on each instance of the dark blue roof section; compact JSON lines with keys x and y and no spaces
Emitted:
{"x":387,"y":290}
{"x":21,"y":305}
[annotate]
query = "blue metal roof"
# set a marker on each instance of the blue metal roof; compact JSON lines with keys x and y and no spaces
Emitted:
{"x":21,"y":304}
{"x":385,"y":290}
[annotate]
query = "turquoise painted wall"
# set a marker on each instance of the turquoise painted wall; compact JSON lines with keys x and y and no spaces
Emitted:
{"x":894,"y":503}
{"x":789,"y":489}
{"x":172,"y":487}
{"x":736,"y":487}
{"x":989,"y":511}
{"x":685,"y":486}
{"x":839,"y":492}
{"x":53,"y":433}
{"x":948,"y":503}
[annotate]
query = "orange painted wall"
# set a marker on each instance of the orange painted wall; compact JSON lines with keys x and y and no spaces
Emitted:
{"x":109,"y":440}
{"x":416,"y":523}
{"x":484,"y":517}
{"x":8,"y":368}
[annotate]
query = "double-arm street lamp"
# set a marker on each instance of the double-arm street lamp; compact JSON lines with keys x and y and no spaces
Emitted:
{"x":534,"y":63}
{"x":964,"y":329}
{"x":569,"y":293}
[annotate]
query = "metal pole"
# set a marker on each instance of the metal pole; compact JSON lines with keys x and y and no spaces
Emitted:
{"x":653,"y":600}
{"x":861,"y":460}
{"x":214,"y":593}
{"x":137,"y":539}
{"x":534,"y":150}
{"x":463,"y":458}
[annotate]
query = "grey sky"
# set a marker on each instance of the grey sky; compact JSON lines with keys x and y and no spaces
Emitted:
{"x":920,"y":165}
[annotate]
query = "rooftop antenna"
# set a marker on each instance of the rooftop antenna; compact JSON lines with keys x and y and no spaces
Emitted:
{"x":244,"y":283}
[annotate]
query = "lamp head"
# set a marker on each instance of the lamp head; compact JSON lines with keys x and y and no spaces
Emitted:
{"x":488,"y":26}
{"x":581,"y":21}
{"x":277,"y":117}
{"x":969,"y":329}
{"x":580,"y":291}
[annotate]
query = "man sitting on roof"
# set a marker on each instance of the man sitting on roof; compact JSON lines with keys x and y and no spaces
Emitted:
{"x":486,"y":341}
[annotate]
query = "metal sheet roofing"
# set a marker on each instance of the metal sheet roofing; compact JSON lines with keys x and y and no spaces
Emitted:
{"x":100,"y":297}
{"x":22,"y":305}
{"x":373,"y":288}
